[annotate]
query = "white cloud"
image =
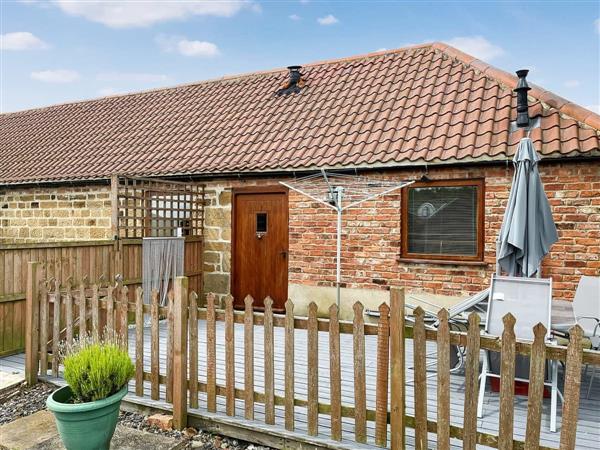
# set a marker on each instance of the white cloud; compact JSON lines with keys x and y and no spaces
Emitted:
{"x":138,"y":77}
{"x":294,"y":17}
{"x":477,"y":46}
{"x":382,"y":49}
{"x":572,"y":83}
{"x":56,"y":76}
{"x":595,"y":108}
{"x":183,"y":46}
{"x":197,"y":48}
{"x":21,"y":40}
{"x":140,"y":14}
{"x":329,"y":19}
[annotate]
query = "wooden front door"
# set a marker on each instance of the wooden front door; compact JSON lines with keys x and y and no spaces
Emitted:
{"x":260,"y":246}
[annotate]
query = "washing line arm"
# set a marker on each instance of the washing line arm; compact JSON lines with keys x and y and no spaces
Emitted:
{"x":371,"y":197}
{"x":332,"y":195}
{"x":283,"y":183}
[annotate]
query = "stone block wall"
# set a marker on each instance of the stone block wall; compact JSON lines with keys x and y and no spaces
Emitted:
{"x":217,"y":240}
{"x":52,"y":214}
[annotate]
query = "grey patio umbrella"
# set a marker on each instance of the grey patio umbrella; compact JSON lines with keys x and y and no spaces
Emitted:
{"x":528,"y":230}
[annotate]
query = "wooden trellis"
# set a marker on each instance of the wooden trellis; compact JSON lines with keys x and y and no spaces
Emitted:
{"x":145,"y":207}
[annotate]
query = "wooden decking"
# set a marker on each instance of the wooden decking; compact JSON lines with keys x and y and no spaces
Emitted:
{"x":588,"y":431}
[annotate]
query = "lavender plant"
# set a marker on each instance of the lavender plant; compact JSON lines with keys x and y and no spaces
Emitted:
{"x":96,"y":369}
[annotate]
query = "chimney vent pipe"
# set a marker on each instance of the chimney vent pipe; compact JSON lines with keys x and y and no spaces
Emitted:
{"x":295,"y":74}
{"x":522,"y":104}
{"x":294,"y":83}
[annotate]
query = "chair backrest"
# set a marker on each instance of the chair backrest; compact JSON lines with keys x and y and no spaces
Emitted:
{"x":529,"y":300}
{"x":587,"y":302}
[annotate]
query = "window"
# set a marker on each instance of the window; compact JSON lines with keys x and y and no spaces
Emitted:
{"x":261,"y":223}
{"x":443,"y":220}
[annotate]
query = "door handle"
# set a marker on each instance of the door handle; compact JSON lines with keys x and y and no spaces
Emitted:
{"x":284,"y":254}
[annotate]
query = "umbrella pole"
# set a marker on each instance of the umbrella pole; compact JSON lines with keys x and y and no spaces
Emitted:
{"x":498,"y":270}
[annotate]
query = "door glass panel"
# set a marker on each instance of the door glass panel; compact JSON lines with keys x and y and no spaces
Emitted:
{"x":261,"y":223}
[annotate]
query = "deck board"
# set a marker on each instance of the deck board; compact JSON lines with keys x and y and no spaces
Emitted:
{"x":588,"y":432}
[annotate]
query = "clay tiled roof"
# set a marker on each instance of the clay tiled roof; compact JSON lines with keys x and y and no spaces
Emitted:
{"x":429,"y":103}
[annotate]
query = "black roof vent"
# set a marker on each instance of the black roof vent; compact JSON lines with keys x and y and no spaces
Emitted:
{"x":294,"y":83}
{"x":522,"y":105}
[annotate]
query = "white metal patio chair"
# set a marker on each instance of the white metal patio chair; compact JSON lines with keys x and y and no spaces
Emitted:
{"x":529,"y":300}
{"x":586,"y":309}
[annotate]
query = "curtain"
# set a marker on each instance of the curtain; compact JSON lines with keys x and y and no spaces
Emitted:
{"x":162,"y":260}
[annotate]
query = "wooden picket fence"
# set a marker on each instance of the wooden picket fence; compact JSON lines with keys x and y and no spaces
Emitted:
{"x":84,"y":308}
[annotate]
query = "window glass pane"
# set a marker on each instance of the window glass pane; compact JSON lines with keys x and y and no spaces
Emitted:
{"x":261,"y":222}
{"x":442,"y":220}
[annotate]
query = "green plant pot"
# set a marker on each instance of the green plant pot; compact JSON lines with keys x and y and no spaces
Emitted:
{"x":85,"y":426}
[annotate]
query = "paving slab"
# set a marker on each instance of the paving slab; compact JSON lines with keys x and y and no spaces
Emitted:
{"x":38,"y":432}
{"x":28,"y":431}
{"x":10,"y":379}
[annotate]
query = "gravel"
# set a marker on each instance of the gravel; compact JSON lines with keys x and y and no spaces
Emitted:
{"x":196,"y":439}
{"x":22,"y":401}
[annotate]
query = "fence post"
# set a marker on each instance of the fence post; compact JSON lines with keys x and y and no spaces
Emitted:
{"x":568,"y":433}
{"x":180,"y":318}
{"x":114,"y":207}
{"x":507,"y":384}
{"x":443,"y":381}
{"x":32,"y":323}
{"x":382,"y":377}
{"x":420,"y":379}
{"x":535,"y":399}
{"x":471,"y":383}
{"x":397,"y":368}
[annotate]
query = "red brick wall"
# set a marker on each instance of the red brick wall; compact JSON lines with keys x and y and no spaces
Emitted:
{"x":371,"y":236}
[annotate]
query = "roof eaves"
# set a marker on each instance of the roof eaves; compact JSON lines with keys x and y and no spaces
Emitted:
{"x":485,"y":159}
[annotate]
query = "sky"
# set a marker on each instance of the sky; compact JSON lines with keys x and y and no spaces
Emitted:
{"x":67,"y":50}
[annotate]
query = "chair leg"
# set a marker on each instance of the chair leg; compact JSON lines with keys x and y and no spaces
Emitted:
{"x":554,"y":394}
{"x":461,"y":361}
{"x":482,"y":382}
{"x":591,"y":381}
